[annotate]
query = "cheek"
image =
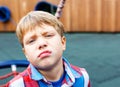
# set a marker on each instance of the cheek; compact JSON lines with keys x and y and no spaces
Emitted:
{"x":31,"y":57}
{"x":29,"y":53}
{"x":58,"y":46}
{"x":61,"y":45}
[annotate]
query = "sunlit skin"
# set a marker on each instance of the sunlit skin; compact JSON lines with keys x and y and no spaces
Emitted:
{"x":44,"y":47}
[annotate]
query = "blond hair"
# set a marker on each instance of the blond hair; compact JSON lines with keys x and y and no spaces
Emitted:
{"x":37,"y":18}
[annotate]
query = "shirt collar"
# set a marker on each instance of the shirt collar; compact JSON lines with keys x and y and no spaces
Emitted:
{"x":69,"y":71}
{"x":35,"y":74}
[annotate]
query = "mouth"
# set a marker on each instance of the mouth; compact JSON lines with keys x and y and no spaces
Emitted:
{"x":44,"y":54}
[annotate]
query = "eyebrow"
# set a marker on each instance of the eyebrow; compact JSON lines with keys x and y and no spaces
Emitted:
{"x":44,"y":33}
{"x":34,"y":35}
{"x":48,"y":31}
{"x":31,"y":36}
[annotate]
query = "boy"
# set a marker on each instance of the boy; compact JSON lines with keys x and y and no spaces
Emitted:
{"x":41,"y":36}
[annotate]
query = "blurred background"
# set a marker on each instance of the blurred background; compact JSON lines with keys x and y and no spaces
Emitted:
{"x":92,"y":29}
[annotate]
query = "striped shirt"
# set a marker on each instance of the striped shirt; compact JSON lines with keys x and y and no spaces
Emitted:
{"x":73,"y":77}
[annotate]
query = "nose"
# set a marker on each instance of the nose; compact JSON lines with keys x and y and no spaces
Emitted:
{"x":42,"y":43}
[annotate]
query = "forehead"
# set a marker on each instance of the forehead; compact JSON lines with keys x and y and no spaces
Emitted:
{"x":34,"y":28}
{"x":40,"y":30}
{"x":43,"y":28}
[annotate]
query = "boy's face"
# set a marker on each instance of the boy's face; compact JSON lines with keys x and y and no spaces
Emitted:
{"x":43,"y":47}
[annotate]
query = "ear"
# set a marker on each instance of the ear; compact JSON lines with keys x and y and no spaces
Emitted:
{"x":64,"y":42}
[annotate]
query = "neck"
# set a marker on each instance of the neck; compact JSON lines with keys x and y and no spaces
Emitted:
{"x":55,"y":73}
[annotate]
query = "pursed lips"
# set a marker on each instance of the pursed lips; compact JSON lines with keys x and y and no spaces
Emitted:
{"x":45,"y":54}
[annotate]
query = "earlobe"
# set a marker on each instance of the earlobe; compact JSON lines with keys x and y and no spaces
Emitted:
{"x":64,"y":42}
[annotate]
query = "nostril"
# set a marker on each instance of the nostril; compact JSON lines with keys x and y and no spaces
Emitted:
{"x":45,"y":45}
{"x":42,"y":46}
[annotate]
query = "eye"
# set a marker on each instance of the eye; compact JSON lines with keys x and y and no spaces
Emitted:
{"x":49,"y":35}
{"x":31,"y":41}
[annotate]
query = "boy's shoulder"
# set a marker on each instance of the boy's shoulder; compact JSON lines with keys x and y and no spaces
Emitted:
{"x":82,"y":72}
{"x":78,"y":69}
{"x":23,"y":79}
{"x":19,"y":78}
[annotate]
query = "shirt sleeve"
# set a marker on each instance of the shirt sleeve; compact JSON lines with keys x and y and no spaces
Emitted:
{"x":16,"y":83}
{"x":86,"y":78}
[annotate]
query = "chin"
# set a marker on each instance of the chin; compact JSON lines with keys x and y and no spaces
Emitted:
{"x":45,"y":66}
